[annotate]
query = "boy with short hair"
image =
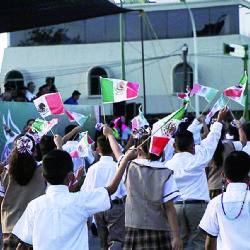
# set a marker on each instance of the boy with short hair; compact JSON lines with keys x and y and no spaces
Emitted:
{"x":57,"y":220}
{"x":227,"y":217}
{"x":110,"y":223}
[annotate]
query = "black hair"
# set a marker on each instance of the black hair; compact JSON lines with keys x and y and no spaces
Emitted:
{"x":68,"y":129}
{"x":234,"y":131}
{"x":46,"y":144}
{"x":145,"y":147}
{"x":237,"y":166}
{"x":218,"y":157}
{"x":247,"y":131}
{"x":183,"y":140}
{"x":22,"y":166}
{"x":104,"y":145}
{"x":57,"y":164}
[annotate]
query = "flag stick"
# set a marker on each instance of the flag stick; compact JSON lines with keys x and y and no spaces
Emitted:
{"x":104,"y":113}
{"x":228,"y":101}
{"x":204,"y":110}
{"x":231,"y":113}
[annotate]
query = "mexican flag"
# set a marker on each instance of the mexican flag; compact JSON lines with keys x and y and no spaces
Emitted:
{"x":164,"y":129}
{"x":49,"y":104}
{"x":184,"y":97}
{"x":236,"y":92}
{"x":139,"y":121}
{"x":220,"y":104}
{"x":116,"y":90}
{"x":42,"y":127}
{"x":81,"y":148}
{"x":206,"y":92}
{"x":76,"y":117}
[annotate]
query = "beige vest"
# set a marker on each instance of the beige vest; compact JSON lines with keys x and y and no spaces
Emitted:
{"x":144,"y":208}
{"x":17,"y":198}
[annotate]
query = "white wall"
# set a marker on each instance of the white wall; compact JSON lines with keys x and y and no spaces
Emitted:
{"x":70,"y":65}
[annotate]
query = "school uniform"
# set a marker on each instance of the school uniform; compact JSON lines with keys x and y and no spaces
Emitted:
{"x":58,"y":219}
{"x":231,"y":233}
{"x":110,"y":223}
{"x":191,"y":180}
{"x":149,"y":185}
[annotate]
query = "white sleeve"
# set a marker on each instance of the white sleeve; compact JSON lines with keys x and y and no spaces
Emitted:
{"x":2,"y":191}
{"x":96,"y":200}
{"x":237,"y":145}
{"x":208,"y":145}
{"x":195,"y":127}
{"x":170,"y":190}
{"x":24,"y":227}
{"x":209,"y":221}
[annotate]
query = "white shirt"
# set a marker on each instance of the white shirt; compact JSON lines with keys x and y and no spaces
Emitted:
{"x":57,"y":220}
{"x":170,"y":190}
{"x":29,"y":95}
{"x":189,"y":169}
{"x":231,"y":234}
{"x":70,"y":146}
{"x":101,"y":174}
{"x":195,"y":127}
{"x":246,"y":148}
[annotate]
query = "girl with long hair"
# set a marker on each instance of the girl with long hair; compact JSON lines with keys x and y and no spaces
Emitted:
{"x":22,"y":182}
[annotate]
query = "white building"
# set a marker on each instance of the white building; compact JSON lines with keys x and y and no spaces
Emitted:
{"x":76,"y":53}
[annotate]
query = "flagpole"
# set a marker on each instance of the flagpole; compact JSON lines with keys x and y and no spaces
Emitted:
{"x":103,"y":113}
{"x":231,"y":113}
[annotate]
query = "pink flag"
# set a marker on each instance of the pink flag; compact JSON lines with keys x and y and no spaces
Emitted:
{"x":49,"y":104}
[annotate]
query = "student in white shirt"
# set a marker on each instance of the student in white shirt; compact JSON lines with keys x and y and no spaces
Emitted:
{"x":189,"y":173}
{"x":110,"y":223}
{"x":57,"y":220}
{"x":227,"y":217}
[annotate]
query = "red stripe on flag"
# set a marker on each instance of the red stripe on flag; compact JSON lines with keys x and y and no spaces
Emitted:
{"x":158,"y":144}
{"x":181,"y":95}
{"x":71,"y":118}
{"x":196,"y":88}
{"x":233,"y":92}
{"x":55,"y":104}
{"x":132,"y":89}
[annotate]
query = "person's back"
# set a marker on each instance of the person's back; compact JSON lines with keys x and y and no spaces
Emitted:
{"x":227,"y":217}
{"x":57,"y":220}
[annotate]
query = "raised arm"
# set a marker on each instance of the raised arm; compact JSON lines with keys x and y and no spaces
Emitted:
{"x":112,"y":187}
{"x":242,"y":135}
{"x":108,"y":132}
{"x":71,"y":134}
{"x":58,"y":141}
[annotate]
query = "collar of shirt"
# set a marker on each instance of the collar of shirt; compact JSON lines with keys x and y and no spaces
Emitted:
{"x":182,"y":154}
{"x":238,"y":186}
{"x":147,"y":162}
{"x":106,"y":158}
{"x":57,"y":188}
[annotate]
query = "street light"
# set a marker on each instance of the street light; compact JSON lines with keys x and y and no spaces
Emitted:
{"x":196,"y":80}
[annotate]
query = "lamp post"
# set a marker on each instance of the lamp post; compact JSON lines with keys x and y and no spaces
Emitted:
{"x":196,"y":80}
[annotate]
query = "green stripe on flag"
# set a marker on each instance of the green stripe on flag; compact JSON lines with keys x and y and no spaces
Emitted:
{"x":211,"y":94}
{"x":107,"y":90}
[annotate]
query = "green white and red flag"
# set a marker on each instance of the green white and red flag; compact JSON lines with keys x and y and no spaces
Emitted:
{"x":81,"y":148}
{"x":237,"y":92}
{"x":42,"y":127}
{"x":164,"y":129}
{"x":204,"y":91}
{"x":116,"y":90}
{"x":49,"y":104}
{"x":76,"y":117}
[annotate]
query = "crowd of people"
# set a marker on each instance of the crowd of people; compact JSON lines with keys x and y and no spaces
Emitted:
{"x":27,"y":93}
{"x":136,"y":199}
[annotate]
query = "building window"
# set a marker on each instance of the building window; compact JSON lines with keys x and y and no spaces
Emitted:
{"x":14,"y":79}
{"x":178,"y":78}
{"x":94,"y":80}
